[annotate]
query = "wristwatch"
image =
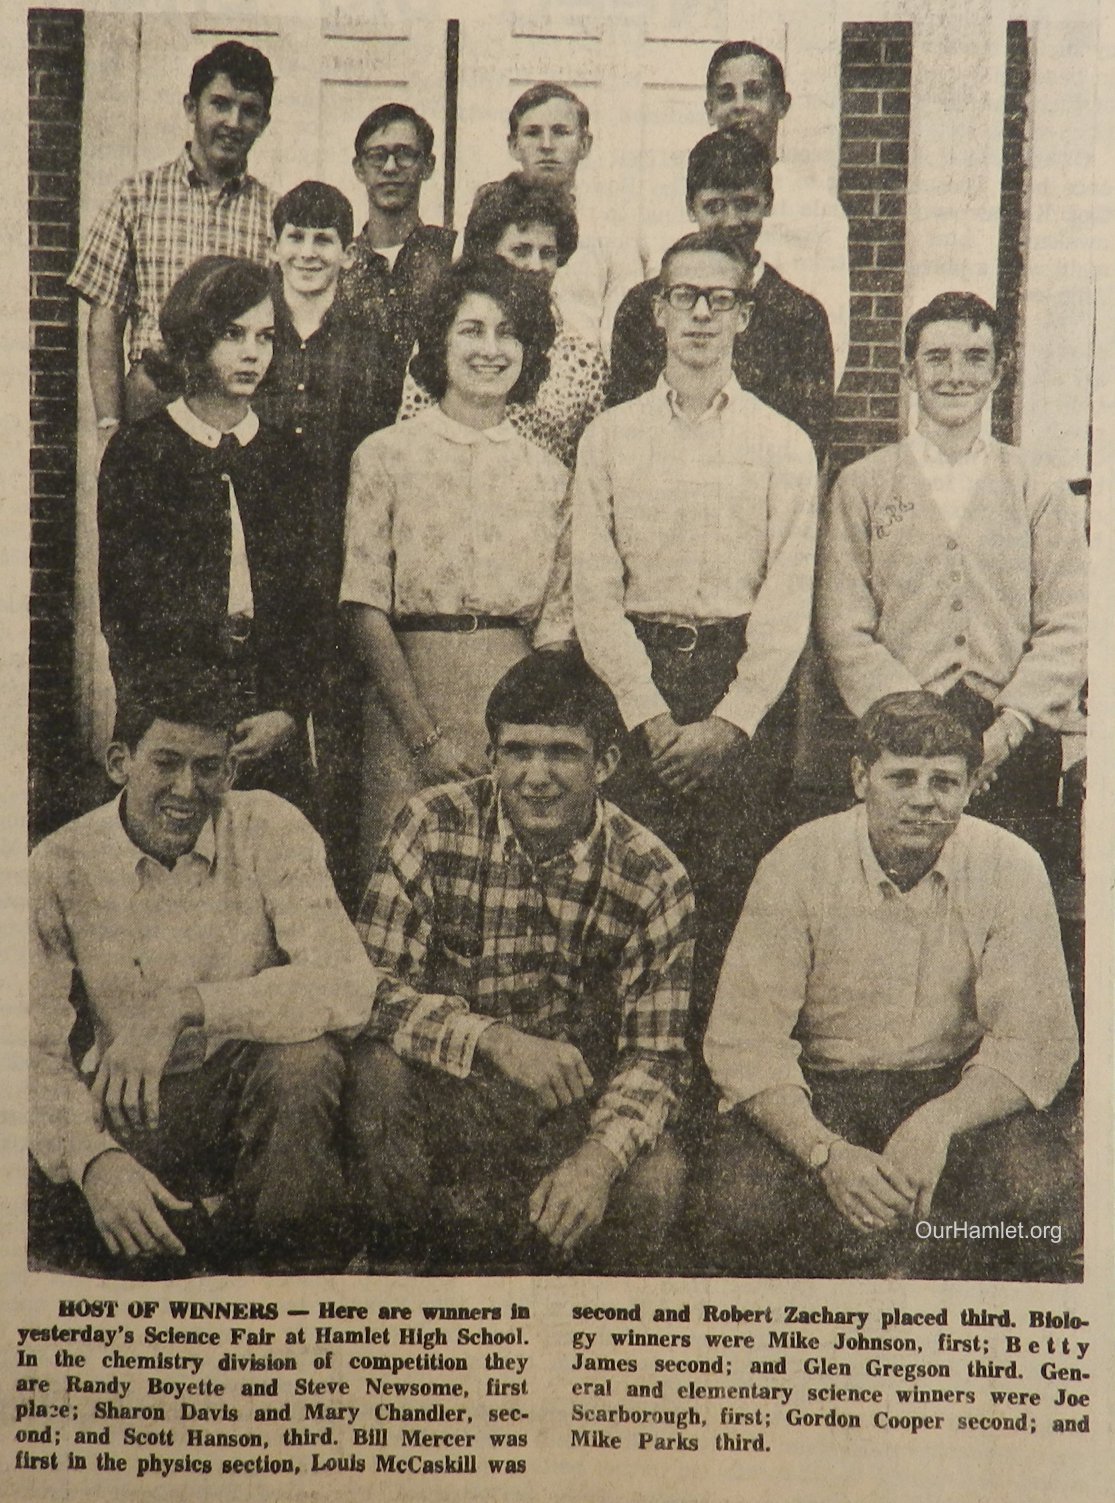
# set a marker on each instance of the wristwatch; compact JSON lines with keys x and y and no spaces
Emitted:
{"x":819,"y":1153}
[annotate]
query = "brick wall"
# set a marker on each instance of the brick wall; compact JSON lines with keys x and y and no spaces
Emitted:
{"x":874,"y":158}
{"x":55,"y":79}
{"x":1012,"y":213}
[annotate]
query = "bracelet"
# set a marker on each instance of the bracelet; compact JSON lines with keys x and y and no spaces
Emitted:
{"x":425,"y":744}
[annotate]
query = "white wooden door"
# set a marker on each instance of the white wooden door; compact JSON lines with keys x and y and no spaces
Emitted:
{"x":640,"y":69}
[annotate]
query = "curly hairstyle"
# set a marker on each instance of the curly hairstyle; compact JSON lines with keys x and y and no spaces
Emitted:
{"x":524,"y":302}
{"x":198,"y":309}
{"x":514,"y":203}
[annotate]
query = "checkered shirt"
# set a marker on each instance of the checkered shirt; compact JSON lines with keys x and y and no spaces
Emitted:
{"x":594,"y":947}
{"x":157,"y":224}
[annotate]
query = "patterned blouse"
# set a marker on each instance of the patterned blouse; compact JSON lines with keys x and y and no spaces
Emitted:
{"x":567,"y":401}
{"x":447,"y":519}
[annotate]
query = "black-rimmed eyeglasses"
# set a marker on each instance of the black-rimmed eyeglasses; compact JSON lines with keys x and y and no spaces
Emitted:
{"x":685,"y":297}
{"x":379,"y":156}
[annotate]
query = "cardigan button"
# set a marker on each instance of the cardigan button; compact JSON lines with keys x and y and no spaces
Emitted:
{"x":952,"y":543}
{"x":961,"y":640}
{"x":958,"y":605}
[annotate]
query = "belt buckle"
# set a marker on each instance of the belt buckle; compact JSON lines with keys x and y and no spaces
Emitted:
{"x":469,"y":631}
{"x":691,"y":646}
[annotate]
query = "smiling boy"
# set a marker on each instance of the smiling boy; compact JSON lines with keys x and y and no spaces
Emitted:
{"x":326,"y":389}
{"x":196,"y":936}
{"x":956,"y":563}
{"x":892,"y":1017}
{"x":520,"y":1068}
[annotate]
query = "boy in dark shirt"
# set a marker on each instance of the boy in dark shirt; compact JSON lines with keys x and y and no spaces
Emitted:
{"x":325,"y":390}
{"x":783,"y":354}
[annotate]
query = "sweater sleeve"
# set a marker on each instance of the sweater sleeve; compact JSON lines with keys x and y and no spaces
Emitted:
{"x":1054,"y":665}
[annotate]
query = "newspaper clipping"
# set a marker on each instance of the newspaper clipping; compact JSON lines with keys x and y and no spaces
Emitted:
{"x":564,"y":759}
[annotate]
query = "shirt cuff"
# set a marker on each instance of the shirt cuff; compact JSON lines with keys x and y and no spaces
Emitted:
{"x":86,"y":1145}
{"x":641,"y":704}
{"x":623,"y":1137}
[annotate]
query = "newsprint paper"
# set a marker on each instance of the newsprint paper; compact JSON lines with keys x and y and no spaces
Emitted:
{"x":471,"y":1386}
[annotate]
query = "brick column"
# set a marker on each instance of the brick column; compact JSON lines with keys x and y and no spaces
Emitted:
{"x":55,"y":67}
{"x":874,"y":155}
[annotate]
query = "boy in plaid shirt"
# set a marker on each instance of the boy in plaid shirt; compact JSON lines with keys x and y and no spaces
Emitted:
{"x":522,"y":1062}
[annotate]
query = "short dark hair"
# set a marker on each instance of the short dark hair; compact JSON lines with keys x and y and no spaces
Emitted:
{"x":182,"y":693}
{"x":314,"y":206}
{"x":525,"y":303}
{"x":728,"y":51}
{"x":720,"y":241}
{"x":246,"y":68}
{"x":517,"y":202}
{"x":956,"y":305}
{"x":915,"y":723}
{"x":198,"y":309}
{"x":728,"y":159}
{"x":387,"y":114}
{"x":555,"y":688}
{"x":541,"y":93}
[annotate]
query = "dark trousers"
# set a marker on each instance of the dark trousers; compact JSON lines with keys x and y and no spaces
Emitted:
{"x":443,"y":1170}
{"x":721,"y":832}
{"x":257,"y":1123}
{"x":1023,"y":796}
{"x":760,"y":1212}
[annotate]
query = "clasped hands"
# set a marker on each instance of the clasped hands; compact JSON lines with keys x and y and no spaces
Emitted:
{"x":571,"y":1199}
{"x":873,"y":1191}
{"x":686,"y":757}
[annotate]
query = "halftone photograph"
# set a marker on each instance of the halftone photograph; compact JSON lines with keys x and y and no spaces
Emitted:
{"x":558,"y":657}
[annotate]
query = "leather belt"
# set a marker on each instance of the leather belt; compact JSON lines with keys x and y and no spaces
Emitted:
{"x":684,"y":636}
{"x":465,"y":624}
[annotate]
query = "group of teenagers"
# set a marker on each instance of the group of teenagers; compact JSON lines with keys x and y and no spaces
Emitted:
{"x":451,"y":913}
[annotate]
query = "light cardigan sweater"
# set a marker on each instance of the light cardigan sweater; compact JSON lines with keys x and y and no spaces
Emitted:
{"x":903,"y":603}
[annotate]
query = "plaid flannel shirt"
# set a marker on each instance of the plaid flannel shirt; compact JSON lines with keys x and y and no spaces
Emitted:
{"x":594,"y":947}
{"x":156,"y":225}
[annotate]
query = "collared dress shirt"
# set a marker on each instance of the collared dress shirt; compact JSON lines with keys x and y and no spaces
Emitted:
{"x":447,"y":519}
{"x":688,"y":521}
{"x":784,"y":356}
{"x":805,"y":236}
{"x":952,"y":483}
{"x":834,"y":967}
{"x":594,"y":947}
{"x":992,"y":592}
{"x":249,"y":917}
{"x":156,"y":225}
